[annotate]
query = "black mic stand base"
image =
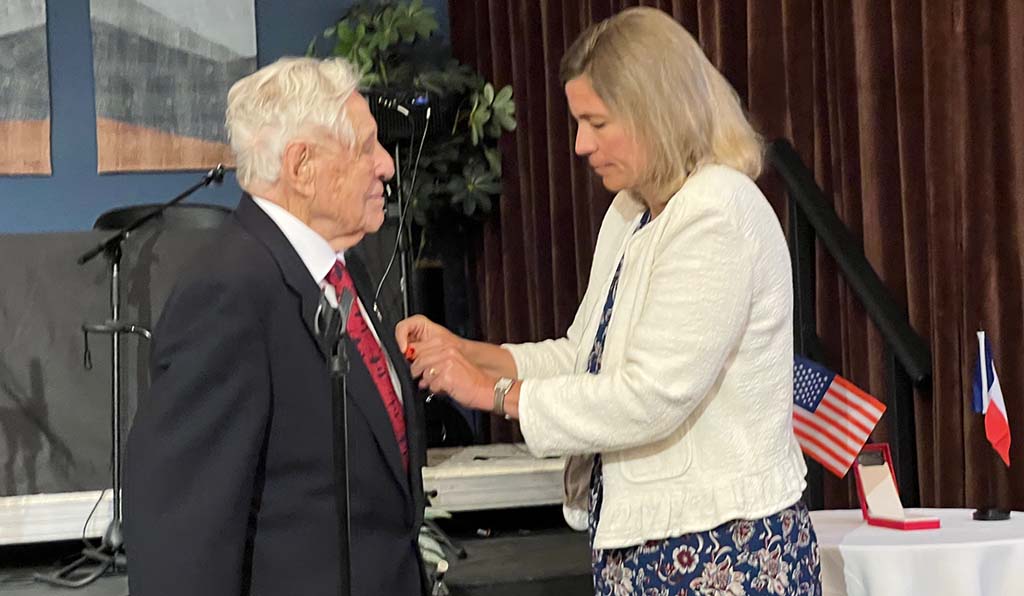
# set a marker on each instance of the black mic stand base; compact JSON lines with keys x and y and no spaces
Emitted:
{"x":92,"y":564}
{"x":991,"y":514}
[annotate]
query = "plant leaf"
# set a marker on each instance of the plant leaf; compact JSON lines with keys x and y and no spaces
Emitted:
{"x":429,"y":546}
{"x":503,"y":96}
{"x":468,"y":205}
{"x":493,"y":159}
{"x":491,"y":187}
{"x":370,"y":79}
{"x":494,"y":129}
{"x":506,"y":121}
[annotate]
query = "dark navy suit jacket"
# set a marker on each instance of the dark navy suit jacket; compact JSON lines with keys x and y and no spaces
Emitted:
{"x":230,"y":466}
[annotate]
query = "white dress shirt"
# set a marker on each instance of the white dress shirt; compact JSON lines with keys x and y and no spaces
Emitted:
{"x":318,"y":257}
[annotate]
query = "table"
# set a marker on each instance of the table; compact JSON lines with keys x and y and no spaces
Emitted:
{"x":962,"y":558}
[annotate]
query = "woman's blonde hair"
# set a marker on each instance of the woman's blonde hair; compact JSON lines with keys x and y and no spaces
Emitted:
{"x":273,"y":105}
{"x":651,"y":72}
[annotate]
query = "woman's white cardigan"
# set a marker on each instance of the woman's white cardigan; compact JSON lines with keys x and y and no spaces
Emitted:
{"x":692,"y":409}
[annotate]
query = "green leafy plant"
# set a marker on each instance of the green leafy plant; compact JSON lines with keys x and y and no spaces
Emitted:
{"x":459,"y":171}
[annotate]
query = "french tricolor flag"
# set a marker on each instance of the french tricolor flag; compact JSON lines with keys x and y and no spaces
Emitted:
{"x":988,"y":400}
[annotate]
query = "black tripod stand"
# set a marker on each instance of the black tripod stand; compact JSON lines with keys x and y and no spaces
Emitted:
{"x":110,"y":555}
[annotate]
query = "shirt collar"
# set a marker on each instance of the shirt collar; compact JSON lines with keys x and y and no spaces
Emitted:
{"x":316,"y":253}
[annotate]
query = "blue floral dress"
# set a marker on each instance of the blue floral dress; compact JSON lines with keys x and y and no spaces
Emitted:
{"x":775,"y":555}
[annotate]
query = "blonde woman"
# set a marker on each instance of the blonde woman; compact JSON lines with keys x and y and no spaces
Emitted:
{"x":677,"y":370}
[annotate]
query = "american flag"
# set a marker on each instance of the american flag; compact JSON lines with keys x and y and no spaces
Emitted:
{"x":833,"y":417}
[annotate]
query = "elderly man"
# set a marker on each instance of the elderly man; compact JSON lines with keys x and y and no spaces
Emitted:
{"x":230,"y":475}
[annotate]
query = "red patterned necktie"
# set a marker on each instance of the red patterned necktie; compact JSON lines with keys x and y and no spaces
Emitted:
{"x":373,"y":357}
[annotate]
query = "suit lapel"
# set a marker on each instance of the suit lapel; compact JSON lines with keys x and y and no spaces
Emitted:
{"x":413,"y":406}
{"x":414,"y":416}
{"x":361,"y":389}
{"x":368,"y":398}
{"x":296,"y":275}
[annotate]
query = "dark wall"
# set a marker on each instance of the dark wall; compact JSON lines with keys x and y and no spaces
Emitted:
{"x":75,"y":194}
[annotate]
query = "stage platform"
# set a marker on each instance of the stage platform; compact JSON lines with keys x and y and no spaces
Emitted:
{"x":474,"y":478}
{"x":506,"y":514}
{"x":513,"y":560}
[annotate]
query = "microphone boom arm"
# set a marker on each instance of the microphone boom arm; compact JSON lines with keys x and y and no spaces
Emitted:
{"x":216,"y":175}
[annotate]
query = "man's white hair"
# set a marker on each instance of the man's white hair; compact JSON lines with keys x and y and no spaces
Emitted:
{"x":273,"y":105}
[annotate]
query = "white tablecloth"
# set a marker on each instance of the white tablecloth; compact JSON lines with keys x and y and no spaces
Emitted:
{"x":962,"y":558}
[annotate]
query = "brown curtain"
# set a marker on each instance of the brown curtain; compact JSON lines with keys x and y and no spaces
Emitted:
{"x":911,"y":115}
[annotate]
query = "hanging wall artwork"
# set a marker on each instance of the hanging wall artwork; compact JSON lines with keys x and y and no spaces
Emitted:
{"x":24,"y":88}
{"x":163,"y":69}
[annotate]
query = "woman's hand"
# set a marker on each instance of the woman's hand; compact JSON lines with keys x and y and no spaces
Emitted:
{"x":423,"y":332}
{"x":443,"y":368}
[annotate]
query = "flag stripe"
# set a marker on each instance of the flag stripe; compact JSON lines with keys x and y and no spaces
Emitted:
{"x":839,"y":451}
{"x":835,"y":433}
{"x":857,"y":395}
{"x":842,"y":440}
{"x":995,"y":393}
{"x":820,"y":453}
{"x":822,"y":457}
{"x":854,"y":402}
{"x":832,"y":418}
{"x":987,"y":391}
{"x":844,"y":417}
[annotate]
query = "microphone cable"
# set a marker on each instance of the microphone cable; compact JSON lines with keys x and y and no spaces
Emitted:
{"x":405,"y":208}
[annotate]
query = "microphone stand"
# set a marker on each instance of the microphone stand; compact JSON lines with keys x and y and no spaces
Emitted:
{"x":111,"y":554}
{"x":339,"y":405}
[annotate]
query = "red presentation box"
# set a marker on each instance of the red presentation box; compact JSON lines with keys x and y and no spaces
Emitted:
{"x":879,"y":497}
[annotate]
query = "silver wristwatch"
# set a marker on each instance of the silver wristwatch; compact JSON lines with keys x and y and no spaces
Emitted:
{"x":501,"y":389}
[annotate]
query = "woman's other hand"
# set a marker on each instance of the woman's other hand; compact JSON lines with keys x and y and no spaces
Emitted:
{"x":443,"y":368}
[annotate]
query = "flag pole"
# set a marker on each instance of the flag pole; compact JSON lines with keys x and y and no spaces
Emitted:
{"x":992,"y":511}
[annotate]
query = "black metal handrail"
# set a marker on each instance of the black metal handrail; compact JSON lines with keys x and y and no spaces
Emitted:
{"x":911,"y":349}
{"x":908,"y":357}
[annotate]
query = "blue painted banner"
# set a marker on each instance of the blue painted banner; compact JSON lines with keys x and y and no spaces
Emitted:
{"x":162,"y":70}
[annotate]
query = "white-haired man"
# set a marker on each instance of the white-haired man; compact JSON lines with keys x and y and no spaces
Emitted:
{"x":231,"y":469}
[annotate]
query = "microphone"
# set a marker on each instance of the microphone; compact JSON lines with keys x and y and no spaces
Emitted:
{"x":339,"y":357}
{"x":216,"y":175}
{"x":331,"y":324}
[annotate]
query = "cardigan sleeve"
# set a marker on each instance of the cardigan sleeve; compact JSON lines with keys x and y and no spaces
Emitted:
{"x":551,"y":357}
{"x":693,"y":317}
{"x":548,"y":358}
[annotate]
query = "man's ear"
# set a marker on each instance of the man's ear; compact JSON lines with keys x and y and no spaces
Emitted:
{"x":298,"y":168}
